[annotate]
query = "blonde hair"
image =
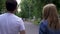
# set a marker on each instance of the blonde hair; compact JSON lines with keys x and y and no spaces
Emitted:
{"x":50,"y":14}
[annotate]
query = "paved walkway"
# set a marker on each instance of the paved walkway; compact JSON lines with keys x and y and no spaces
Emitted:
{"x":31,"y":28}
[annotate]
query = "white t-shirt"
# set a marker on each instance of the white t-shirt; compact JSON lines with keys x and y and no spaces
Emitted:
{"x":10,"y":24}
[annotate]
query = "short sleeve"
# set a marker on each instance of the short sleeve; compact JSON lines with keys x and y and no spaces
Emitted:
{"x":21,"y":26}
{"x":42,"y":28}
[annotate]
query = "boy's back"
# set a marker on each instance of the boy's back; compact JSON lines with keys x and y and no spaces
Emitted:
{"x":10,"y":24}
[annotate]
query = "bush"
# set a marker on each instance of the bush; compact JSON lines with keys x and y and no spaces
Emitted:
{"x":37,"y":21}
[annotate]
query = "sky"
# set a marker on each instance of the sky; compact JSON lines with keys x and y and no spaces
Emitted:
{"x":18,"y":1}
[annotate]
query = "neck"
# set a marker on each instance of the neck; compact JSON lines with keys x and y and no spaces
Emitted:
{"x":10,"y":11}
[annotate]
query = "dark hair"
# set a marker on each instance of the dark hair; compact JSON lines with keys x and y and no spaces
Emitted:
{"x":11,"y":5}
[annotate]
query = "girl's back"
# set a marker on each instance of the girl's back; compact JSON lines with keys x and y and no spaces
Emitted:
{"x":45,"y":30}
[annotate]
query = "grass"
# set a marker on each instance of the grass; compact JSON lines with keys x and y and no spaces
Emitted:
{"x":36,"y":22}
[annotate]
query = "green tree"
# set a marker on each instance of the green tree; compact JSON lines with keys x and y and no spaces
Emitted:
{"x":32,"y":8}
{"x":24,"y":9}
{"x":2,"y":5}
{"x":56,"y":2}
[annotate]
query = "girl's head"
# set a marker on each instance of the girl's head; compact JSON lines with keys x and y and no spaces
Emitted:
{"x":49,"y":10}
{"x":50,"y":14}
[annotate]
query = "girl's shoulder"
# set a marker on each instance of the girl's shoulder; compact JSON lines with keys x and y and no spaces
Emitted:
{"x":44,"y":22}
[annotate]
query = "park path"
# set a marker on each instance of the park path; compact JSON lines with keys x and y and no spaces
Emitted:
{"x":31,"y":28}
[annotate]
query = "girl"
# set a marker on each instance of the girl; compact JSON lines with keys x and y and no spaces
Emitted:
{"x":50,"y":23}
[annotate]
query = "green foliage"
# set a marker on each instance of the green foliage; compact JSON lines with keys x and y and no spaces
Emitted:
{"x":32,"y":8}
{"x":56,"y":2}
{"x":37,"y":21}
{"x":24,"y":9}
{"x":2,"y":5}
{"x":18,"y":14}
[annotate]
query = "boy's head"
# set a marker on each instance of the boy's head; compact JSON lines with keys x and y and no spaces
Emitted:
{"x":11,"y":5}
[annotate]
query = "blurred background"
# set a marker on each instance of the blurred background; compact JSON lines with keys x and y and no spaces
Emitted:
{"x":31,"y":12}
